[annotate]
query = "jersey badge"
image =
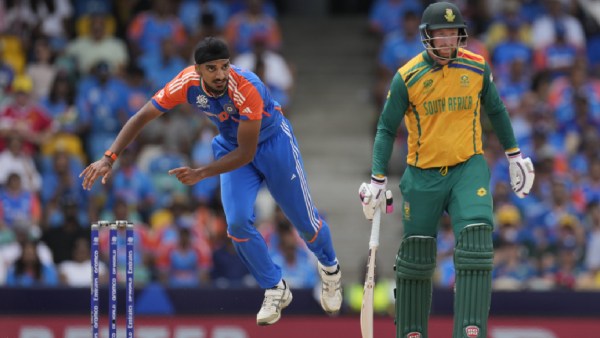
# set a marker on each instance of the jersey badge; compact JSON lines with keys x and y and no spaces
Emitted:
{"x":481,"y":192}
{"x":464,"y":80}
{"x":229,"y":108}
{"x":202,"y":101}
{"x":449,"y":15}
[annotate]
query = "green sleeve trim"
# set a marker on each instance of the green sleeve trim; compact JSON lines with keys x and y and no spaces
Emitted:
{"x":417,"y":76}
{"x":496,"y":111}
{"x":387,"y":127}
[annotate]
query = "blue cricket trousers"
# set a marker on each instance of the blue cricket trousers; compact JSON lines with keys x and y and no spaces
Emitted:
{"x":278,"y":164}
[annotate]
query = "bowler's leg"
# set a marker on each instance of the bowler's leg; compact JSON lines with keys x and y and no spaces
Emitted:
{"x":286,"y":180}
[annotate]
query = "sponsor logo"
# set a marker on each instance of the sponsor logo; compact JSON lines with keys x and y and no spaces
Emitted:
{"x":472,"y":331}
{"x":202,"y":101}
{"x":247,"y":110}
{"x":414,"y":335}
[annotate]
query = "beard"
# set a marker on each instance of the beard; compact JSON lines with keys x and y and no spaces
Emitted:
{"x":218,"y":91}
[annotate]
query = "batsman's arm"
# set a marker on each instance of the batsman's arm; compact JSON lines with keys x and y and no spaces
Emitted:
{"x":496,"y":111}
{"x":387,"y":126}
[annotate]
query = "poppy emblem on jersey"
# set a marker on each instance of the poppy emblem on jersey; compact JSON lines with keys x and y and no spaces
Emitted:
{"x":472,"y":331}
{"x":464,"y":80}
{"x":481,"y":192}
{"x":414,"y":335}
{"x":229,"y":108}
{"x":202,"y":101}
{"x":449,"y":15}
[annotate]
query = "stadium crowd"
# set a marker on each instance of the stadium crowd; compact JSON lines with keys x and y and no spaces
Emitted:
{"x":69,"y":82}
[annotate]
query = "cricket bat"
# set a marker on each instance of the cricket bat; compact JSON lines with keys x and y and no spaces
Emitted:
{"x":366,"y":311}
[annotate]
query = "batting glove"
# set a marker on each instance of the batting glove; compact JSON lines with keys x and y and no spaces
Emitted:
{"x":521,"y":172}
{"x":374,"y":195}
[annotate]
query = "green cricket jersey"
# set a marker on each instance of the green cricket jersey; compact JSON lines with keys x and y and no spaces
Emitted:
{"x":441,"y":108}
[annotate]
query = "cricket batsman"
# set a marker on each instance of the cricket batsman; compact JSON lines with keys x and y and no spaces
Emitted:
{"x":440,"y":94}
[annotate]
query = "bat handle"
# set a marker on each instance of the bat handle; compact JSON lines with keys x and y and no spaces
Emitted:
{"x":374,"y":240}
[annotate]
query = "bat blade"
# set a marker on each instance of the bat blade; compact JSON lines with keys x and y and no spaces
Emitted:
{"x":366,"y":311}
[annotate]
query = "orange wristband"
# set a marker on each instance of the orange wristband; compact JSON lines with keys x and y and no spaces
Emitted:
{"x":111,"y":155}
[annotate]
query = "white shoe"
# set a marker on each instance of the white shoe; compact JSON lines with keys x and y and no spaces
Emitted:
{"x":276,"y":299}
{"x":331,"y":289}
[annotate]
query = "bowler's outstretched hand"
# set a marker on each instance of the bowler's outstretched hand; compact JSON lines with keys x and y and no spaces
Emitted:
{"x":101,"y":168}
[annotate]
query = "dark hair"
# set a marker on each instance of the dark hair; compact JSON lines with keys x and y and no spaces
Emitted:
{"x":70,"y":95}
{"x":210,"y":49}
{"x":20,"y":268}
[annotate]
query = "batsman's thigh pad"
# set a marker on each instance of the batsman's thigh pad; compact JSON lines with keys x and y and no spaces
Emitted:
{"x":473,"y":261}
{"x":415,"y":264}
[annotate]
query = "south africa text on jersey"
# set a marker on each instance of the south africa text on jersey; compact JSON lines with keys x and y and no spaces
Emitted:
{"x":450,"y":104}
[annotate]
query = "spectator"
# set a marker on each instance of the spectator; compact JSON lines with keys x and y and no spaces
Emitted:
{"x":25,"y":117}
{"x":99,"y":45}
{"x":559,"y":56}
{"x":102,"y":102}
{"x":398,"y":47}
{"x":28,"y":270}
{"x":77,"y":271}
{"x":183,"y":264}
{"x":384,"y":14}
{"x":149,"y":28}
{"x":252,"y":22}
{"x":62,"y":238}
{"x":543,"y":32}
{"x":160,"y":68}
{"x":271,"y":67}
{"x":68,"y":121}
{"x":42,"y":70}
{"x":192,"y":14}
{"x":60,"y":185}
{"x":134,"y":187}
{"x":510,"y":24}
{"x":14,"y":160}
{"x":18,"y":206}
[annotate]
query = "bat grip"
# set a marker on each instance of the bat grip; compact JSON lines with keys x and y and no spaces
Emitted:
{"x":374,"y":240}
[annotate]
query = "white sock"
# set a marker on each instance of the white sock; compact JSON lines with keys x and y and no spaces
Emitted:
{"x":330,"y":269}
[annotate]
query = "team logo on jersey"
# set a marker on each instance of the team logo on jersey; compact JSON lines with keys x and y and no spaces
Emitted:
{"x":464,"y":80}
{"x":229,"y":108}
{"x":202,"y":101}
{"x":406,"y":211}
{"x":428,"y":83}
{"x":481,"y":192}
{"x":413,"y":335}
{"x":449,"y":15}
